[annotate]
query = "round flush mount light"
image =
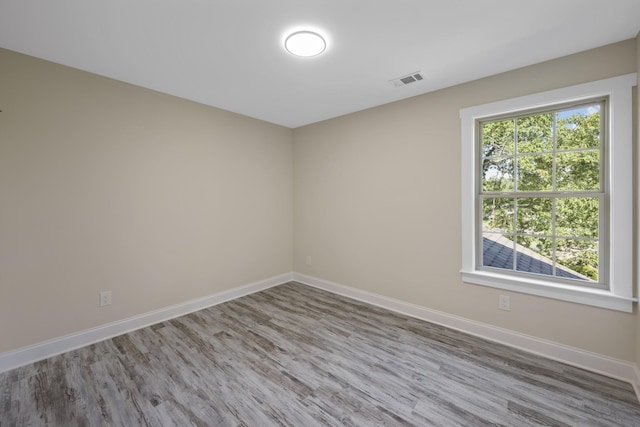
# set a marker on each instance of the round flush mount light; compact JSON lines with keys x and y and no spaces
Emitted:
{"x":305,"y":43}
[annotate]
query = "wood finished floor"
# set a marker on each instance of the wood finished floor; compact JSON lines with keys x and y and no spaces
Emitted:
{"x":296,"y":356}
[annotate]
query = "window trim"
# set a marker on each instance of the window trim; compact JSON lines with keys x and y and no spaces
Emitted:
{"x":618,"y":162}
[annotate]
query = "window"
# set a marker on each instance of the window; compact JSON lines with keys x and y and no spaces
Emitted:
{"x":541,"y":193}
{"x":547,"y":194}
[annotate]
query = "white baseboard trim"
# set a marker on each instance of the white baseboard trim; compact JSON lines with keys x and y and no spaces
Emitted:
{"x":614,"y":368}
{"x":33,"y":353}
{"x":636,"y":381}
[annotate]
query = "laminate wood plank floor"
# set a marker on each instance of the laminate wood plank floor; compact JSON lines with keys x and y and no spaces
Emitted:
{"x":293,"y":355}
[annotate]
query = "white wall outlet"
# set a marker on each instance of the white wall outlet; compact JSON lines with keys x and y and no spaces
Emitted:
{"x":308,"y":259}
{"x":504,"y":302}
{"x":105,"y":298}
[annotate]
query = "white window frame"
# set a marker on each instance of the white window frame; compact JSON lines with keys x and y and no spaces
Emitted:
{"x":619,"y":171}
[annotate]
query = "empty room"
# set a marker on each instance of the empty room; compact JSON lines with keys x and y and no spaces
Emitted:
{"x":355,"y":213}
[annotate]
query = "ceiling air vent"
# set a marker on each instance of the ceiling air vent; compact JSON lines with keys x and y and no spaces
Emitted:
{"x":408,"y":79}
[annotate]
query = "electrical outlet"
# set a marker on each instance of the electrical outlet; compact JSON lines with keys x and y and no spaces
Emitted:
{"x":308,"y":259}
{"x":504,"y":302}
{"x":105,"y":298}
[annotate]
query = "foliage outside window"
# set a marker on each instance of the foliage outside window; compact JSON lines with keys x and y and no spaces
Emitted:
{"x":542,"y":193}
{"x":547,"y":194}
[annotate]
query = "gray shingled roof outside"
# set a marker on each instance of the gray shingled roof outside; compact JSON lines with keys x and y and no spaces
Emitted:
{"x":497,"y":251}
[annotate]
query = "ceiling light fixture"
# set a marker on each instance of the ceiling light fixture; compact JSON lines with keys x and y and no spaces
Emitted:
{"x":305,"y":43}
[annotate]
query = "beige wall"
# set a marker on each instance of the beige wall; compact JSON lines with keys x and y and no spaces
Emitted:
{"x":107,"y":186}
{"x":377,"y":205}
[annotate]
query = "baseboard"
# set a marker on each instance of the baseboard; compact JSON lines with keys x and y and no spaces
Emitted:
{"x":619,"y":369}
{"x":614,"y":368}
{"x":636,"y":381}
{"x":33,"y":353}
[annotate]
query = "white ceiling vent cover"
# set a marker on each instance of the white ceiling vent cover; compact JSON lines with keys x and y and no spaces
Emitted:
{"x":416,"y":76}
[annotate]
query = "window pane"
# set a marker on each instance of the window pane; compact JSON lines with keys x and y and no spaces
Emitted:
{"x":534,"y":255}
{"x":497,"y":174}
{"x":498,"y":138}
{"x":546,"y":233}
{"x":535,"y":133}
{"x":577,"y":259}
{"x":535,"y":172}
{"x":497,"y":214}
{"x":577,"y":216}
{"x":579,"y":128}
{"x":497,"y":251}
{"x":578,"y":170}
{"x":534,"y":216}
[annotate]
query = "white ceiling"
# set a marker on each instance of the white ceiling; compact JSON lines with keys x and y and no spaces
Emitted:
{"x":229,"y":53}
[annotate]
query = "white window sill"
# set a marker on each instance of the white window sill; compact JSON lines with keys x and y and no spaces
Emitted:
{"x":593,"y":297}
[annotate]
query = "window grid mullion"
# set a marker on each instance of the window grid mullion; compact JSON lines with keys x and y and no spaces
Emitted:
{"x":537,"y":153}
{"x":515,"y":199}
{"x":554,"y":187}
{"x":546,"y":236}
{"x":544,"y":194}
